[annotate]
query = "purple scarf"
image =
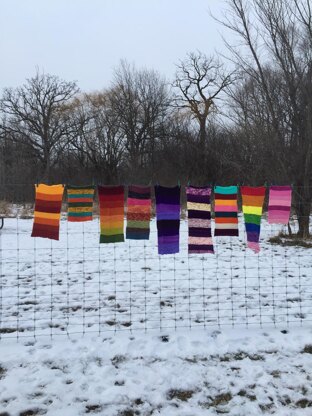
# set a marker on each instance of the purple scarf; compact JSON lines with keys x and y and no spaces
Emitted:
{"x":168,"y":219}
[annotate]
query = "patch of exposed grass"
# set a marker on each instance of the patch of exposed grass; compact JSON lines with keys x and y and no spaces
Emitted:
{"x":5,"y":209}
{"x":2,"y":372}
{"x":7,"y":330}
{"x":307,"y":349}
{"x":118,"y":359}
{"x":128,"y":412}
{"x":244,"y":393}
{"x":93,"y":408}
{"x":119,"y":383}
{"x":126,"y":324}
{"x":266,"y":407}
{"x":221,"y":399}
{"x":275,"y":374}
{"x":287,"y":240}
{"x":33,"y":412}
{"x":183,"y":395}
{"x":285,"y":400}
{"x":241,"y":355}
{"x":110,"y":323}
{"x":303,"y":403}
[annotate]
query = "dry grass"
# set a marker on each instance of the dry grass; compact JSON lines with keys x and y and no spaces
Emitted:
{"x":26,"y":212}
{"x":5,"y":209}
{"x":286,"y":240}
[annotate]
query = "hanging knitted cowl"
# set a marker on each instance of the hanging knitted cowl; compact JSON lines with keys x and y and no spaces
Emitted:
{"x":111,"y":199}
{"x":80,"y":203}
{"x":168,"y":219}
{"x":252,"y":201}
{"x":199,"y":220}
{"x":226,"y":221}
{"x":47,"y":211}
{"x":138,"y":213}
{"x":279,"y":204}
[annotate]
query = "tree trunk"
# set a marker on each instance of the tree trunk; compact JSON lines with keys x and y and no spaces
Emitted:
{"x":303,"y":208}
{"x":202,"y":134}
{"x":47,"y":170}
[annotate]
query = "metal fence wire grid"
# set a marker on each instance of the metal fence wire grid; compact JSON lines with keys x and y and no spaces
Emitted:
{"x":78,"y":286}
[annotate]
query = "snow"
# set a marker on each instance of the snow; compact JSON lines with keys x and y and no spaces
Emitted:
{"x":245,"y":372}
{"x":77,"y":285}
{"x":118,"y":330}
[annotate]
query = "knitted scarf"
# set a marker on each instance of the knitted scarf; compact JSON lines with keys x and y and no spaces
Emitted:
{"x":47,"y":211}
{"x":138,"y":213}
{"x":199,"y":220}
{"x":111,"y":199}
{"x":168,"y":219}
{"x":80,"y":203}
{"x":226,"y":221}
{"x":279,"y":204}
{"x":252,"y":200}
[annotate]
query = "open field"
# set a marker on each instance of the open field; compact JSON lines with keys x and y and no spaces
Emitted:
{"x":134,"y":333}
{"x":76,"y":285}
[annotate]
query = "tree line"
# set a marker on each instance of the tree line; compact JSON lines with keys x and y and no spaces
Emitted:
{"x":251,"y":124}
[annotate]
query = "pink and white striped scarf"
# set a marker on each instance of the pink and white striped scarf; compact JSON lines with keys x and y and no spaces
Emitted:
{"x":279,"y":204}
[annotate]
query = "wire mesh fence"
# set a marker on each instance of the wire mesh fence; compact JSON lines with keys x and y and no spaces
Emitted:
{"x":76,"y":286}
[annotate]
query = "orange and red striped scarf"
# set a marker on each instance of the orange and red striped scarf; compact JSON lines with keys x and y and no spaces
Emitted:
{"x":47,"y":211}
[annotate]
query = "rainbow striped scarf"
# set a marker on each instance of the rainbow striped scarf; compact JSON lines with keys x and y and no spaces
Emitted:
{"x":168,"y":219}
{"x":199,"y":220}
{"x":47,"y":211}
{"x":80,"y":203}
{"x":252,"y":200}
{"x":138,"y":213}
{"x":111,"y":200}
{"x":279,"y":204}
{"x":226,"y":221}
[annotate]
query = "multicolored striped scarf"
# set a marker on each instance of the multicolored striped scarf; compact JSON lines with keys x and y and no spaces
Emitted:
{"x":252,"y":200}
{"x":47,"y":211}
{"x":226,"y":221}
{"x":168,"y":219}
{"x":80,"y":203}
{"x":138,"y":213}
{"x":199,"y":220}
{"x":279,"y":204}
{"x":111,"y":199}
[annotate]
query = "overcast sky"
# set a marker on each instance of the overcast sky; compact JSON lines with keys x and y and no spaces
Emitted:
{"x":84,"y":40}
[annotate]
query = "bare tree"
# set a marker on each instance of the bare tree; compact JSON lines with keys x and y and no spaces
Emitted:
{"x":37,"y":114}
{"x":277,"y":60}
{"x":99,"y":140}
{"x":200,"y":80}
{"x":140,"y":99}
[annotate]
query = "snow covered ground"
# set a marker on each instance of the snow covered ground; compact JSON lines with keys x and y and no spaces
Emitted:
{"x":183,"y":373}
{"x":76,"y":285}
{"x":118,"y":330}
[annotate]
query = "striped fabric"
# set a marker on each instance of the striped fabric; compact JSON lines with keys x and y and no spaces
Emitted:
{"x":252,"y":200}
{"x":111,"y":199}
{"x":138,"y":213}
{"x":226,"y":221}
{"x":168,"y":219}
{"x":80,"y":203}
{"x":47,"y":211}
{"x":279,"y":204}
{"x":199,"y":220}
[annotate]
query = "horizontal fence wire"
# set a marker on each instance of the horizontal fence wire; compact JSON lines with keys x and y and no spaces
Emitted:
{"x":76,"y":286}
